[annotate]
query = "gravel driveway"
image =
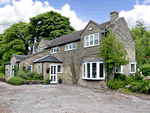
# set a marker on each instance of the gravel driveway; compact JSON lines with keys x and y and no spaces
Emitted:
{"x":68,"y":99}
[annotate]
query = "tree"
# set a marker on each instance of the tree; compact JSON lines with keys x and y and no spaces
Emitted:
{"x":113,"y":53}
{"x":49,"y":25}
{"x":141,"y":37}
{"x":14,"y":41}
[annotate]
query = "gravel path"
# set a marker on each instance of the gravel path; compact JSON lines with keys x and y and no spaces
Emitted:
{"x":68,"y":99}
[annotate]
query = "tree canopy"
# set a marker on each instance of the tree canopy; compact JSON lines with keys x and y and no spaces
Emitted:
{"x":112,"y":51}
{"x":49,"y":25}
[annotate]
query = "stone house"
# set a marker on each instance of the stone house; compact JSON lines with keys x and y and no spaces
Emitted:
{"x":53,"y":57}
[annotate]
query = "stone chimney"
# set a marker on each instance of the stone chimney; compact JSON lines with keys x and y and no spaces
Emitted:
{"x":113,"y":16}
{"x":34,"y":46}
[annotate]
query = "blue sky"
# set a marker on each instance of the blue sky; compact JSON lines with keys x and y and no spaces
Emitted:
{"x":79,"y":11}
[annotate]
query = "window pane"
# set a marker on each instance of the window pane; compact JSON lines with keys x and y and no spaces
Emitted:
{"x":54,"y":69}
{"x":52,"y":50}
{"x":94,"y":69}
{"x":38,"y":69}
{"x":118,"y":68}
{"x":70,"y":46}
{"x":96,"y":39}
{"x":101,"y":71}
{"x":29,"y":68}
{"x":66,"y":47}
{"x":59,"y":68}
{"x":88,"y":70}
{"x":51,"y":78}
{"x":91,"y":40}
{"x":84,"y":70}
{"x":86,"y":41}
{"x":51,"y":69}
{"x":57,"y":49}
{"x":132,"y":68}
{"x":74,"y":45}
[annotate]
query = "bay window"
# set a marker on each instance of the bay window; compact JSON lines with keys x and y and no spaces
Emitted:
{"x":93,"y":70}
{"x":91,"y":40}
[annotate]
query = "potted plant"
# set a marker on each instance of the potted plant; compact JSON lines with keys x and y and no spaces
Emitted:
{"x":47,"y":70}
{"x":60,"y":80}
{"x":24,"y":67}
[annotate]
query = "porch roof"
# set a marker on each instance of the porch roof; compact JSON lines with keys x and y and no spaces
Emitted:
{"x":48,"y":58}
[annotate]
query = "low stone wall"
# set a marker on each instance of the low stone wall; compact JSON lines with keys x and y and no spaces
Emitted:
{"x":29,"y":82}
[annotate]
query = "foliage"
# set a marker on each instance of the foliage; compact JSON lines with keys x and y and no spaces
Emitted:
{"x":145,"y":68}
{"x":120,"y":76}
{"x":59,"y":77}
{"x":2,"y":68}
{"x":38,"y":76}
{"x":16,"y":80}
{"x":2,"y":75}
{"x":49,"y":25}
{"x":27,"y":76}
{"x":141,"y":37}
{"x":45,"y":81}
{"x":75,"y":76}
{"x":143,"y":86}
{"x":126,"y":91}
{"x":16,"y":70}
{"x":129,"y":80}
{"x":116,"y":84}
{"x":112,"y":52}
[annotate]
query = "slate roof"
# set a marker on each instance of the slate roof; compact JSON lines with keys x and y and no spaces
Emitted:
{"x":47,"y":42}
{"x":48,"y":58}
{"x":7,"y":63}
{"x":20,"y":56}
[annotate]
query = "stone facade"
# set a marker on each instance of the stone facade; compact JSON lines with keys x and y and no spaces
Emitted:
{"x":82,"y":53}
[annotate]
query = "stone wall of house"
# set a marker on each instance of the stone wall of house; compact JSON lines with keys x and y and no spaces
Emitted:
{"x":30,"y":59}
{"x":41,"y":44}
{"x":7,"y":70}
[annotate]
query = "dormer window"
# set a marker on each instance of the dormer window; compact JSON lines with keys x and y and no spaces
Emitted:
{"x":70,"y":46}
{"x":91,"y":40}
{"x":54,"y":50}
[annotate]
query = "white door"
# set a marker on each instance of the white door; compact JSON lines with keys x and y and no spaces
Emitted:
{"x":12,"y":70}
{"x":53,"y":73}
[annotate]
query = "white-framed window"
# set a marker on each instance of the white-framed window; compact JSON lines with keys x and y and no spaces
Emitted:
{"x":119,"y":69}
{"x":59,"y":68}
{"x":70,"y":46}
{"x":132,"y":67}
{"x":54,"y":50}
{"x":41,"y":49}
{"x":39,"y":68}
{"x":29,"y":68}
{"x":91,"y":40}
{"x":93,"y":71}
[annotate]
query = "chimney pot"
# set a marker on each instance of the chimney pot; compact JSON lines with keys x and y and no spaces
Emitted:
{"x":114,"y":16}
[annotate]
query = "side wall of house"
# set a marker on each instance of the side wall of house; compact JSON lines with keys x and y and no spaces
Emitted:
{"x":124,"y":35}
{"x":7,"y":70}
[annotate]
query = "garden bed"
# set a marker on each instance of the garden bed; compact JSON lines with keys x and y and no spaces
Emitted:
{"x":30,"y":82}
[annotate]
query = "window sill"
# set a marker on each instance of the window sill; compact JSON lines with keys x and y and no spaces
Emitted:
{"x":93,"y":79}
{"x":91,"y":46}
{"x":59,"y":72}
{"x":70,"y":50}
{"x":119,"y":72}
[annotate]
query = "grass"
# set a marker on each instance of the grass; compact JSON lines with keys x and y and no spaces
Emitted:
{"x":2,"y":75}
{"x":126,"y":91}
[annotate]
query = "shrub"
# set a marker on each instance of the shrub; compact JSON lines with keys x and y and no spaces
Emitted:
{"x":129,"y":80}
{"x":38,"y":76}
{"x":120,"y":76}
{"x":23,"y":76}
{"x":116,"y":84}
{"x":16,"y":80}
{"x":31,"y":74}
{"x":145,"y":69}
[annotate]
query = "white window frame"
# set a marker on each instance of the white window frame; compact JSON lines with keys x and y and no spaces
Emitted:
{"x":55,"y":48}
{"x":38,"y":69}
{"x":61,"y":68}
{"x":93,"y":40}
{"x":31,"y":67}
{"x":97,"y":71}
{"x":71,"y":46}
{"x":121,"y":70}
{"x":134,"y":66}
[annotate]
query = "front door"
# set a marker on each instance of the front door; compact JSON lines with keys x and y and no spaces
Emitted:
{"x":12,"y":70}
{"x":53,"y":73}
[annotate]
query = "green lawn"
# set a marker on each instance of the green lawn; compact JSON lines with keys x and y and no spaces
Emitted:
{"x":2,"y":75}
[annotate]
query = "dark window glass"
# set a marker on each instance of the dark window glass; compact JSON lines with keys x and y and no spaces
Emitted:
{"x":101,"y":70}
{"x":88,"y":70}
{"x":94,"y":70}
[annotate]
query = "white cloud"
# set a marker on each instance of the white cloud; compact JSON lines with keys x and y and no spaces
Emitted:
{"x":146,"y":2}
{"x":24,"y":9}
{"x":139,"y":12}
{"x":137,"y":2}
{"x":4,"y":1}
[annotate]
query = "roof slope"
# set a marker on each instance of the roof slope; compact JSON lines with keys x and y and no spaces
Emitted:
{"x":47,"y":42}
{"x":66,"y":39}
{"x":20,"y":56}
{"x":48,"y":58}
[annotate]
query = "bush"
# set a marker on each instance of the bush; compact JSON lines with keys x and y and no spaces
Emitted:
{"x":23,"y":76}
{"x":145,"y":69}
{"x":27,"y":76}
{"x":16,"y":80}
{"x":116,"y":84}
{"x":38,"y":76}
{"x":31,"y":75}
{"x":129,"y":80}
{"x":120,"y":76}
